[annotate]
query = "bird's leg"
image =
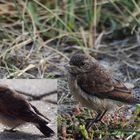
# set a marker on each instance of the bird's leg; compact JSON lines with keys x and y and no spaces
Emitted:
{"x":101,"y":116}
{"x":97,"y":118}
{"x":89,"y":125}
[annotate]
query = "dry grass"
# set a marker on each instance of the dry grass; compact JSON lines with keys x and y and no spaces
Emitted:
{"x":38,"y":36}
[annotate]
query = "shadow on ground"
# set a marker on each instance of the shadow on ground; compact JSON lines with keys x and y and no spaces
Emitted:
{"x":20,"y":135}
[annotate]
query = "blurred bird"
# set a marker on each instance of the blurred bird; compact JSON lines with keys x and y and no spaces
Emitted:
{"x":15,"y":110}
{"x":95,"y":87}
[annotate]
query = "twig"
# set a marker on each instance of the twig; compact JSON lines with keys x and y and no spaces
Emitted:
{"x":131,"y":136}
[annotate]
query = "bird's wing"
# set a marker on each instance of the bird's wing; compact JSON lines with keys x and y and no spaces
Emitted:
{"x":119,"y":86}
{"x":39,"y":113}
{"x":14,"y":105}
{"x":28,"y":115}
{"x":20,"y":110}
{"x":95,"y":83}
{"x":111,"y":89}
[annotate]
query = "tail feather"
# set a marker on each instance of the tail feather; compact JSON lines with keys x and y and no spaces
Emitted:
{"x":48,"y":132}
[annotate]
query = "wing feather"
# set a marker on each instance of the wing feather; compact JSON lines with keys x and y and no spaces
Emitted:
{"x":108,"y":88}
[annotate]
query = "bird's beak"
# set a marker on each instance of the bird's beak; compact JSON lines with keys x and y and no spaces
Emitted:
{"x":67,"y":66}
{"x":71,"y":69}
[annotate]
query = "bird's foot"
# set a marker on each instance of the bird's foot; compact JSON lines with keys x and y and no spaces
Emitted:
{"x":10,"y":130}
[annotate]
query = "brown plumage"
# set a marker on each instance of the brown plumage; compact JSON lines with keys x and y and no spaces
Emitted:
{"x":95,"y":87}
{"x":15,"y":110}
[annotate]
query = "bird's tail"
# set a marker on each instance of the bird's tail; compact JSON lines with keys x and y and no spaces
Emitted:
{"x":48,"y":132}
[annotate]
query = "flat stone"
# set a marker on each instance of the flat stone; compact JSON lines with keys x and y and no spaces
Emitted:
{"x":51,"y":98}
{"x":32,"y":86}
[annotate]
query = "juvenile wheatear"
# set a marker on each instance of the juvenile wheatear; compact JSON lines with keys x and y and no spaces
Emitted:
{"x":15,"y":110}
{"x":95,"y":87}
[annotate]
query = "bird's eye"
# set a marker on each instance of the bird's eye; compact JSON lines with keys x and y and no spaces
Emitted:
{"x":82,"y":63}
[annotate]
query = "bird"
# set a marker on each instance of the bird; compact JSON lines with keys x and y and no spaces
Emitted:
{"x":95,"y":87}
{"x":15,"y":110}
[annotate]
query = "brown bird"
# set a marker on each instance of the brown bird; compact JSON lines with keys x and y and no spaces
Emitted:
{"x":95,"y":87}
{"x":15,"y":110}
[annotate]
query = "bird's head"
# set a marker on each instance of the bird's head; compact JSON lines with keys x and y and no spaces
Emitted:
{"x":81,"y":63}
